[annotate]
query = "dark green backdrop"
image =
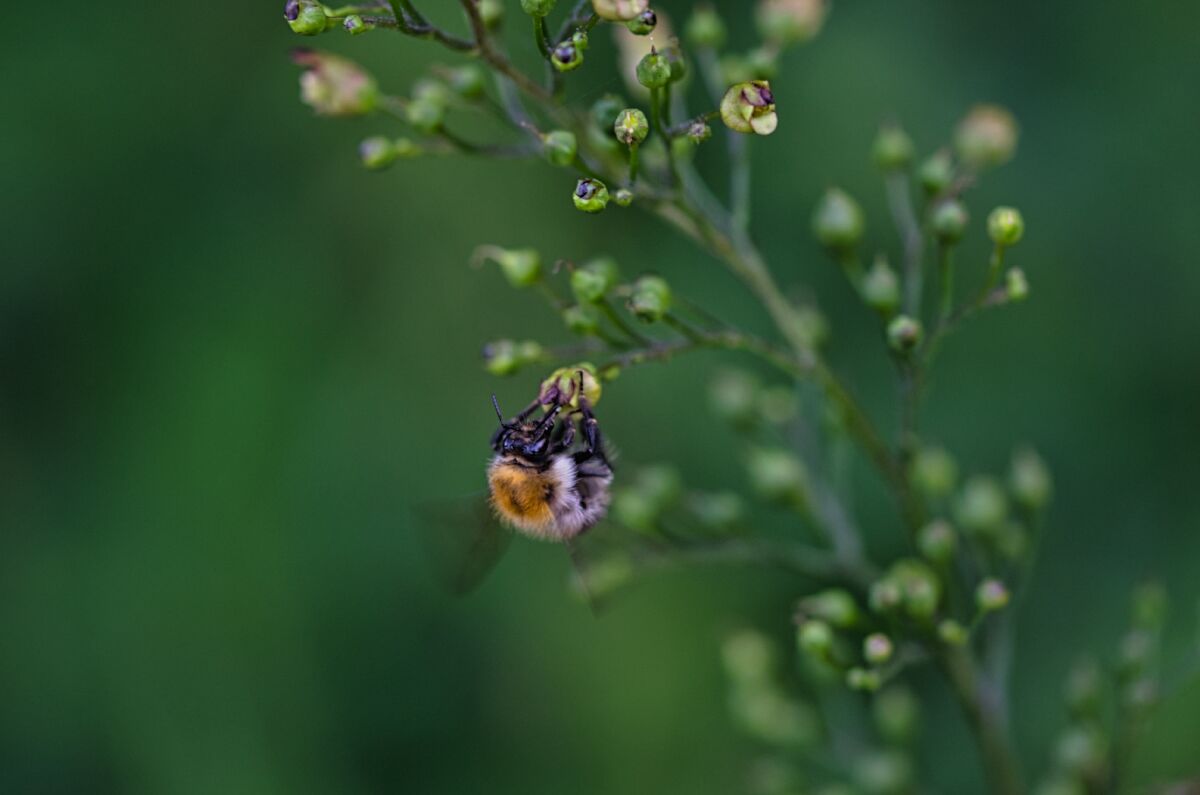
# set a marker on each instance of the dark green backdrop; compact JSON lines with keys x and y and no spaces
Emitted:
{"x":230,"y":357}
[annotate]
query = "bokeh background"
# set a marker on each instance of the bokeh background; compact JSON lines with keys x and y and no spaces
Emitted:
{"x":231,"y":358}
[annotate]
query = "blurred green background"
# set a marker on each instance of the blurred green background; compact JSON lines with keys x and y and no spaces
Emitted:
{"x":231,"y":357}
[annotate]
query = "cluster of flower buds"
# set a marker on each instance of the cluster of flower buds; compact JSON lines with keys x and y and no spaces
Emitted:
{"x":507,"y":357}
{"x":760,"y":706}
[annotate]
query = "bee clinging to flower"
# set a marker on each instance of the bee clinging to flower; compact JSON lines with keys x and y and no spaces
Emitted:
{"x":546,"y":481}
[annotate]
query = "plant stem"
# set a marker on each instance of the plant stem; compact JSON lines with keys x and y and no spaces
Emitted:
{"x":488,"y":52}
{"x":984,"y":709}
{"x":899,"y":196}
{"x":611,"y":313}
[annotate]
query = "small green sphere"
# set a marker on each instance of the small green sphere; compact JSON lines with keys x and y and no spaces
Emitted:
{"x":949,"y":221}
{"x":1006,"y":227}
{"x":838,"y":221}
{"x":538,"y":8}
{"x":560,"y":147}
{"x":654,"y":70}
{"x":590,"y":196}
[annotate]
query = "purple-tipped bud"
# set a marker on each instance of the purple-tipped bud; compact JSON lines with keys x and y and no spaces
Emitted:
{"x":291,"y":10}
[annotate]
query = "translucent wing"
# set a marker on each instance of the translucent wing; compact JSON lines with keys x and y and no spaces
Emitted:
{"x":463,"y":539}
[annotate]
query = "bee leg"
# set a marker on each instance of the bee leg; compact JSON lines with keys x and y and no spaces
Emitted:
{"x":566,"y":439}
{"x":525,"y":412}
{"x":593,"y":442}
{"x":547,"y":423}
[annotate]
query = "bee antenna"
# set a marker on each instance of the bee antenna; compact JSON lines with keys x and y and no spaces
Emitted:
{"x":499,"y":414}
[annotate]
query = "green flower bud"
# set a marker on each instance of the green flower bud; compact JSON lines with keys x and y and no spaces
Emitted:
{"x":306,"y":18}
{"x":893,"y":149}
{"x":505,"y":357}
{"x":886,"y":595}
{"x":581,"y":319}
{"x":937,"y":541}
{"x":698,"y":132}
{"x":603,"y":576}
{"x":376,"y":152}
{"x":631,"y":126}
{"x":1016,"y":286}
{"x":936,"y":173}
{"x":633,"y":509}
{"x":650,"y":298}
{"x":567,"y":56}
{"x":833,"y":605}
{"x":605,"y":109}
{"x":1150,"y":606}
{"x":590,"y":196}
{"x":748,"y":657}
{"x":750,"y":108}
{"x":810,"y":326}
{"x":952,"y":633}
{"x":426,"y":111}
{"x":562,"y":386}
{"x":904,"y":334}
{"x":877,"y":648}
{"x":949,"y":221}
{"x":790,"y":21}
{"x":884,"y":773}
{"x":896,"y":713}
{"x":881,"y":288}
{"x":538,"y":8}
{"x":719,"y":511}
{"x":1029,"y":480}
{"x":643,"y":24}
{"x":619,"y":10}
{"x":733,"y":396}
{"x":863,"y":679}
{"x":1011,"y":541}
{"x":778,"y":405}
{"x":1082,"y":751}
{"x":491,"y":12}
{"x":356,"y":25}
{"x":591,"y":282}
{"x":1006,"y":227}
{"x":654,"y":70}
{"x":934,"y":472}
{"x":986,"y":137}
{"x":1140,"y":695}
{"x":522,"y":267}
{"x":675,"y":60}
{"x":778,"y":476}
{"x":765,"y":713}
{"x":991,"y":595}
{"x":559,"y":147}
{"x":623,"y":197}
{"x":661,"y":484}
{"x":334,"y":86}
{"x":406,"y":148}
{"x":467,"y":81}
{"x":982,"y":507}
{"x":705,"y":28}
{"x":816,"y":638}
{"x":838,"y":220}
{"x":919,"y":586}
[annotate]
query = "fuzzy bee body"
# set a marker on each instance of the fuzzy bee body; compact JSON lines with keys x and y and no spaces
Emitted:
{"x":538,"y":484}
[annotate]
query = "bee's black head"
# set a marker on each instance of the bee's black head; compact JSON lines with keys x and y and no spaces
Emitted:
{"x":529,"y":440}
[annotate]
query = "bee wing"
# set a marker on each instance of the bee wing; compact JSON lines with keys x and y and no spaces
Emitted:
{"x":463,"y":539}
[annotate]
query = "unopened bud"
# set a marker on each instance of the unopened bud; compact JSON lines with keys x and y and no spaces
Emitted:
{"x":1083,"y":688}
{"x":919,"y":586}
{"x":581,"y":319}
{"x":705,"y":28}
{"x":650,"y":299}
{"x":1006,"y":227}
{"x":1029,"y":479}
{"x":949,"y":221}
{"x":838,"y":220}
{"x":982,"y":507}
{"x":698,"y":132}
{"x":815,"y":637}
{"x":654,"y":70}
{"x":377,"y":152}
{"x":790,"y":21}
{"x":991,"y":595}
{"x":538,"y":8}
{"x":934,"y":472}
{"x":623,"y":197}
{"x":1016,"y":286}
{"x":893,"y":149}
{"x":491,"y":12}
{"x":778,"y":476}
{"x":834,"y":605}
{"x":605,"y":109}
{"x":567,"y":56}
{"x":522,"y":266}
{"x":936,"y":173}
{"x":881,"y":288}
{"x":778,"y":405}
{"x":733,"y":394}
{"x":306,"y":18}
{"x":884,"y":773}
{"x":937,"y":541}
{"x":334,"y":86}
{"x":986,"y":137}
{"x":590,"y":196}
{"x":591,"y":282}
{"x":505,"y":357}
{"x":877,"y":648}
{"x":619,"y":10}
{"x":723,"y":510}
{"x":748,"y":656}
{"x":356,"y":25}
{"x":560,"y":147}
{"x":952,"y":633}
{"x":643,"y":24}
{"x":863,"y":679}
{"x":885,"y":595}
{"x":904,"y":334}
{"x":1082,"y":751}
{"x":631,"y":127}
{"x":566,"y":385}
{"x":750,"y":108}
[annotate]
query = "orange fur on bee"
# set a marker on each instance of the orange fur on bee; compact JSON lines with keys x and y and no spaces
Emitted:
{"x":521,"y":496}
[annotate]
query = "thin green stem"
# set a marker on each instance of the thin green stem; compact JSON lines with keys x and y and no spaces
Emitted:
{"x":541,"y":35}
{"x":899,"y":194}
{"x":633,"y":163}
{"x":615,"y":318}
{"x":946,"y":283}
{"x":488,"y":52}
{"x":985,"y":713}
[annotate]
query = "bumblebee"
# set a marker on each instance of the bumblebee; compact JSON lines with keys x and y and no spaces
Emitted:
{"x":539,"y":484}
